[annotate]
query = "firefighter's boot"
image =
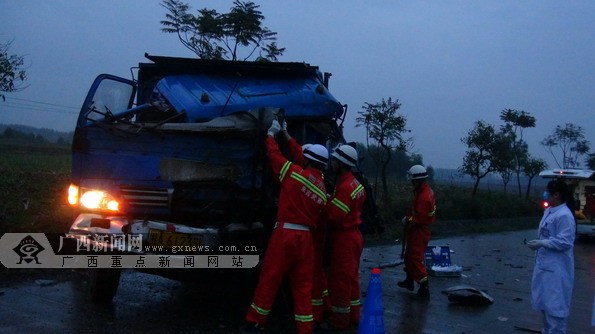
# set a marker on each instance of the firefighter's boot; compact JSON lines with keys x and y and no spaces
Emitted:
{"x":424,"y":288}
{"x":407,"y":283}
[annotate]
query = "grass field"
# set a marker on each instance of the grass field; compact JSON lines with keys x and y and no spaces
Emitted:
{"x":33,"y":184}
{"x":458,"y":213}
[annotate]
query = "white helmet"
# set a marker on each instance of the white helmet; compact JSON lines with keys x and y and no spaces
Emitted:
{"x":316,"y":152}
{"x":346,"y":154}
{"x":305,"y":146}
{"x":417,"y":172}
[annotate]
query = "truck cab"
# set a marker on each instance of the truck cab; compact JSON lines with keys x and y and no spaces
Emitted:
{"x":177,"y":156}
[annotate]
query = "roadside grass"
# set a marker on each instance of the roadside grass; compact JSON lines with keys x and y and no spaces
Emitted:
{"x":33,"y":185}
{"x":458,"y":212}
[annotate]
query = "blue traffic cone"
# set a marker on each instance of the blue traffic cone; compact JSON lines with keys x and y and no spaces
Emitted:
{"x":372,"y":319}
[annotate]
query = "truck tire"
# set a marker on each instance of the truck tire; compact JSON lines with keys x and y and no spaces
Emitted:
{"x":104,"y":284}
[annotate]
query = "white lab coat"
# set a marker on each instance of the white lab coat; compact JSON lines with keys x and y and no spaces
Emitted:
{"x":553,"y":275}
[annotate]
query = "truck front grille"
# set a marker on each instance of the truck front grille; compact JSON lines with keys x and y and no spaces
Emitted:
{"x":146,"y":197}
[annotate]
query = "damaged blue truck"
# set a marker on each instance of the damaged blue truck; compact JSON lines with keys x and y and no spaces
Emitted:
{"x":178,"y":157}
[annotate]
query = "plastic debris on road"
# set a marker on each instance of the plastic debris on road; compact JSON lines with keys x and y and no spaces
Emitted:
{"x":468,"y":295}
{"x":437,"y":260}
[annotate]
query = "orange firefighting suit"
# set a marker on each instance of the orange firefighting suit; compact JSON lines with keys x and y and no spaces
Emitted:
{"x":290,"y":252}
{"x":320,"y":297}
{"x":320,"y":294}
{"x":422,"y":214}
{"x":342,"y":215}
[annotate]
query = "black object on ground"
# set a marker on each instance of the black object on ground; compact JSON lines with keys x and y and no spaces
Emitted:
{"x":468,"y":295}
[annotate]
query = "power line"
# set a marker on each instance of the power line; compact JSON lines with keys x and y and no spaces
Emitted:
{"x":12,"y":105}
{"x":45,"y":103}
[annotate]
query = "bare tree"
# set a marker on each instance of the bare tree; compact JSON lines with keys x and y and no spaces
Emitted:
{"x":12,"y":72}
{"x":570,"y":141}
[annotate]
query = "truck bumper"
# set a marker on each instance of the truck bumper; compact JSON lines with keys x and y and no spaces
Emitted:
{"x":93,"y":228}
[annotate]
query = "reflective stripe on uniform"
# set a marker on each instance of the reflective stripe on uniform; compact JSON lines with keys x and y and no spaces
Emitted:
{"x":432,"y":213}
{"x":357,"y":190}
{"x":309,"y":185}
{"x":356,"y":302}
{"x":325,"y":292}
{"x":259,"y":310}
{"x":298,"y":227}
{"x":304,"y":318}
{"x":341,"y":205}
{"x":317,"y":302}
{"x":343,"y":310}
{"x":284,"y":170}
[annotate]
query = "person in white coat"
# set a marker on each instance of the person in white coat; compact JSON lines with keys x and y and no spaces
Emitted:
{"x":553,"y":275}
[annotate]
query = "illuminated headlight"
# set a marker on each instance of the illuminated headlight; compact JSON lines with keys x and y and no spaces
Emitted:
{"x":73,"y":194}
{"x":92,"y":199}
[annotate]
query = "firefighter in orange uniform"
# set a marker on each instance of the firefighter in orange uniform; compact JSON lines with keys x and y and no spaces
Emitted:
{"x":421,"y":215}
{"x":290,"y":251}
{"x":320,"y":297}
{"x":342,"y":215}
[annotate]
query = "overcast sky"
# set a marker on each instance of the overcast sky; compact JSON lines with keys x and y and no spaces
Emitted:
{"x":450,"y":63}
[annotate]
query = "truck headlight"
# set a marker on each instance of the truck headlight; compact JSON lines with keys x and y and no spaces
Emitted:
{"x":73,"y":194}
{"x":92,"y":199}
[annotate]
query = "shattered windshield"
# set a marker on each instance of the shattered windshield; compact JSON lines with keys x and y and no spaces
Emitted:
{"x":111,"y":97}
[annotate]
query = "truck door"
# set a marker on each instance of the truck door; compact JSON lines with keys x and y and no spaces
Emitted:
{"x":109,"y":95}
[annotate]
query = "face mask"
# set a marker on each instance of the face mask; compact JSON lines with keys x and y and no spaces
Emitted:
{"x":546,"y":195}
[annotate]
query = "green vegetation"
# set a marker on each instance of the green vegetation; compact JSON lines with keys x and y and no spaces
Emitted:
{"x":459,"y":212}
{"x":213,"y":35}
{"x":12,"y":71}
{"x":22,"y":135}
{"x":33,"y":184}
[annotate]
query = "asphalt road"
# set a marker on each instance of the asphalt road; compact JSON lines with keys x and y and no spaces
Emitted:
{"x":499,"y":264}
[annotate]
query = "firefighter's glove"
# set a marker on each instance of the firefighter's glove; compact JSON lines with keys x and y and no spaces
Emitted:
{"x":283,"y":125}
{"x":405,"y":221}
{"x":535,"y":244}
{"x":274,"y":129}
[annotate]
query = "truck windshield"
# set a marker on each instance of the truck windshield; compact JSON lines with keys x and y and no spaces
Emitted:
{"x":111,"y":97}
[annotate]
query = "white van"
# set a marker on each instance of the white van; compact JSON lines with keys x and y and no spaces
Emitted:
{"x":582,"y":183}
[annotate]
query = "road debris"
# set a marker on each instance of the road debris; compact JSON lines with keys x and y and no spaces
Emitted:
{"x":390,"y":264}
{"x":44,"y":282}
{"x":468,"y":295}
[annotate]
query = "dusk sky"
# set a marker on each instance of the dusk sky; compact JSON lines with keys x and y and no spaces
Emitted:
{"x":450,"y":63}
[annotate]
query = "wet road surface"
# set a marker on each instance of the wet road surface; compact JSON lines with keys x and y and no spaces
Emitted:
{"x":498,"y":264}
